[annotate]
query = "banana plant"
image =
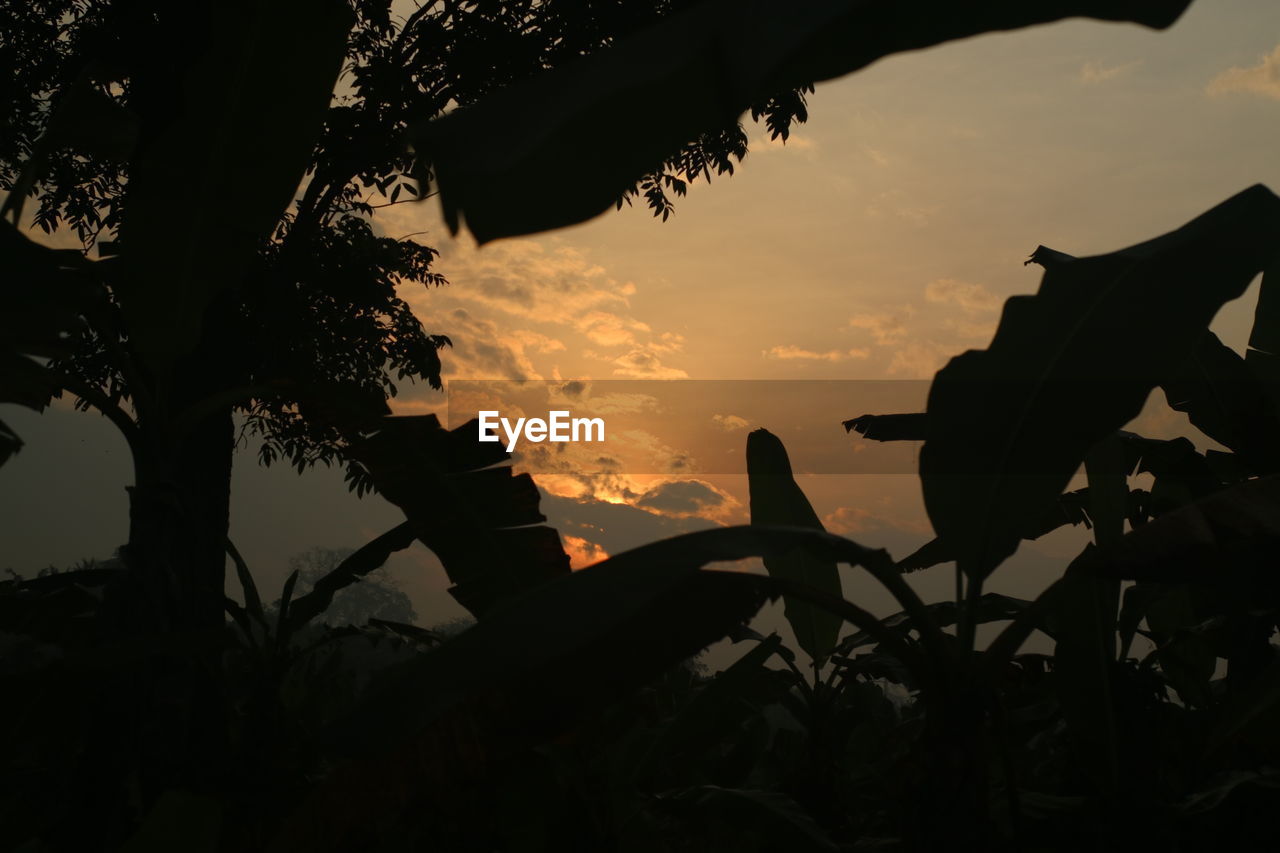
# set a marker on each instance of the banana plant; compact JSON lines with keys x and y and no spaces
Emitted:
{"x":986,"y":481}
{"x":1008,"y":426}
{"x":777,"y":500}
{"x":1072,"y":365}
{"x":536,"y":662}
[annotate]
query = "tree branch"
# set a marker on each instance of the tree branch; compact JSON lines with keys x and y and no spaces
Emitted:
{"x":100,"y":401}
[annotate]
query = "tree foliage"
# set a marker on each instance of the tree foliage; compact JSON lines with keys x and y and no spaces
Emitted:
{"x":320,"y":307}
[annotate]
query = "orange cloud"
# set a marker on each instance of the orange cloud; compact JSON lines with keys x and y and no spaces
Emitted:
{"x":606,"y":329}
{"x":886,"y":327}
{"x":729,"y":423}
{"x":563,"y":303}
{"x":788,"y":352}
{"x":1262,"y":79}
{"x":685,"y":497}
{"x":582,"y":552}
{"x":919,"y":359}
{"x":643,"y":363}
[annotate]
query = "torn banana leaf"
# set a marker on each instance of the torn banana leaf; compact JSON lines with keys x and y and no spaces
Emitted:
{"x":776,"y":500}
{"x":1011,"y":424}
{"x":480,"y":519}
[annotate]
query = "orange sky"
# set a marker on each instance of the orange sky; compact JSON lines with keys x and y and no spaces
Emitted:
{"x":880,"y":241}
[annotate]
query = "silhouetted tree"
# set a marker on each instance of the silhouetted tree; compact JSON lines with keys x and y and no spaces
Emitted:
{"x":232,"y":206}
{"x":311,"y":334}
{"x":315,"y":318}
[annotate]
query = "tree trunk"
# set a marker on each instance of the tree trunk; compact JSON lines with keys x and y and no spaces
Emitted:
{"x":178,"y":520}
{"x":159,"y":721}
{"x":179,"y":514}
{"x":168,"y":703}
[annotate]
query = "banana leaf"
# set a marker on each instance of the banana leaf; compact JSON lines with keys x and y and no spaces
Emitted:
{"x":581,"y":145}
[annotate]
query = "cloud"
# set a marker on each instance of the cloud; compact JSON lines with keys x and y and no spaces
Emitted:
{"x":1094,"y":73}
{"x":682,"y":498}
{"x":679,"y":498}
{"x":594,"y":470}
{"x":644,"y":363}
{"x":973,"y":298}
{"x":525,"y":279}
{"x":886,"y":327}
{"x":860,"y":521}
{"x":788,"y":352}
{"x":1262,"y":79}
{"x":608,"y":330}
{"x":582,"y":552}
{"x":668,"y":342}
{"x":536,"y":341}
{"x":556,"y":299}
{"x":729,"y":423}
{"x":574,"y":389}
{"x":481,"y":350}
{"x":579,"y":394}
{"x":611,"y":488}
{"x":918,"y":359}
{"x":613,"y":526}
{"x":648,"y":452}
{"x":847,"y":519}
{"x":917,"y":341}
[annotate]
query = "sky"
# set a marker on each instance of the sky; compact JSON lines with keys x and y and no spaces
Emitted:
{"x":878,"y":242}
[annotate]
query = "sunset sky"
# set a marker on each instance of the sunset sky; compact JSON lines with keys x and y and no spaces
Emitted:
{"x":881,"y":240}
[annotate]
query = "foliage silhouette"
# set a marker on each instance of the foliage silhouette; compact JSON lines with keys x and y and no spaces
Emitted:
{"x":476,"y":516}
{"x":694,"y":71}
{"x":563,"y":719}
{"x":560,"y":658}
{"x":285,"y":307}
{"x":506,"y":691}
{"x":1198,"y":519}
{"x":777,"y":500}
{"x":1072,"y":365}
{"x":271,"y":293}
{"x":338,"y":584}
